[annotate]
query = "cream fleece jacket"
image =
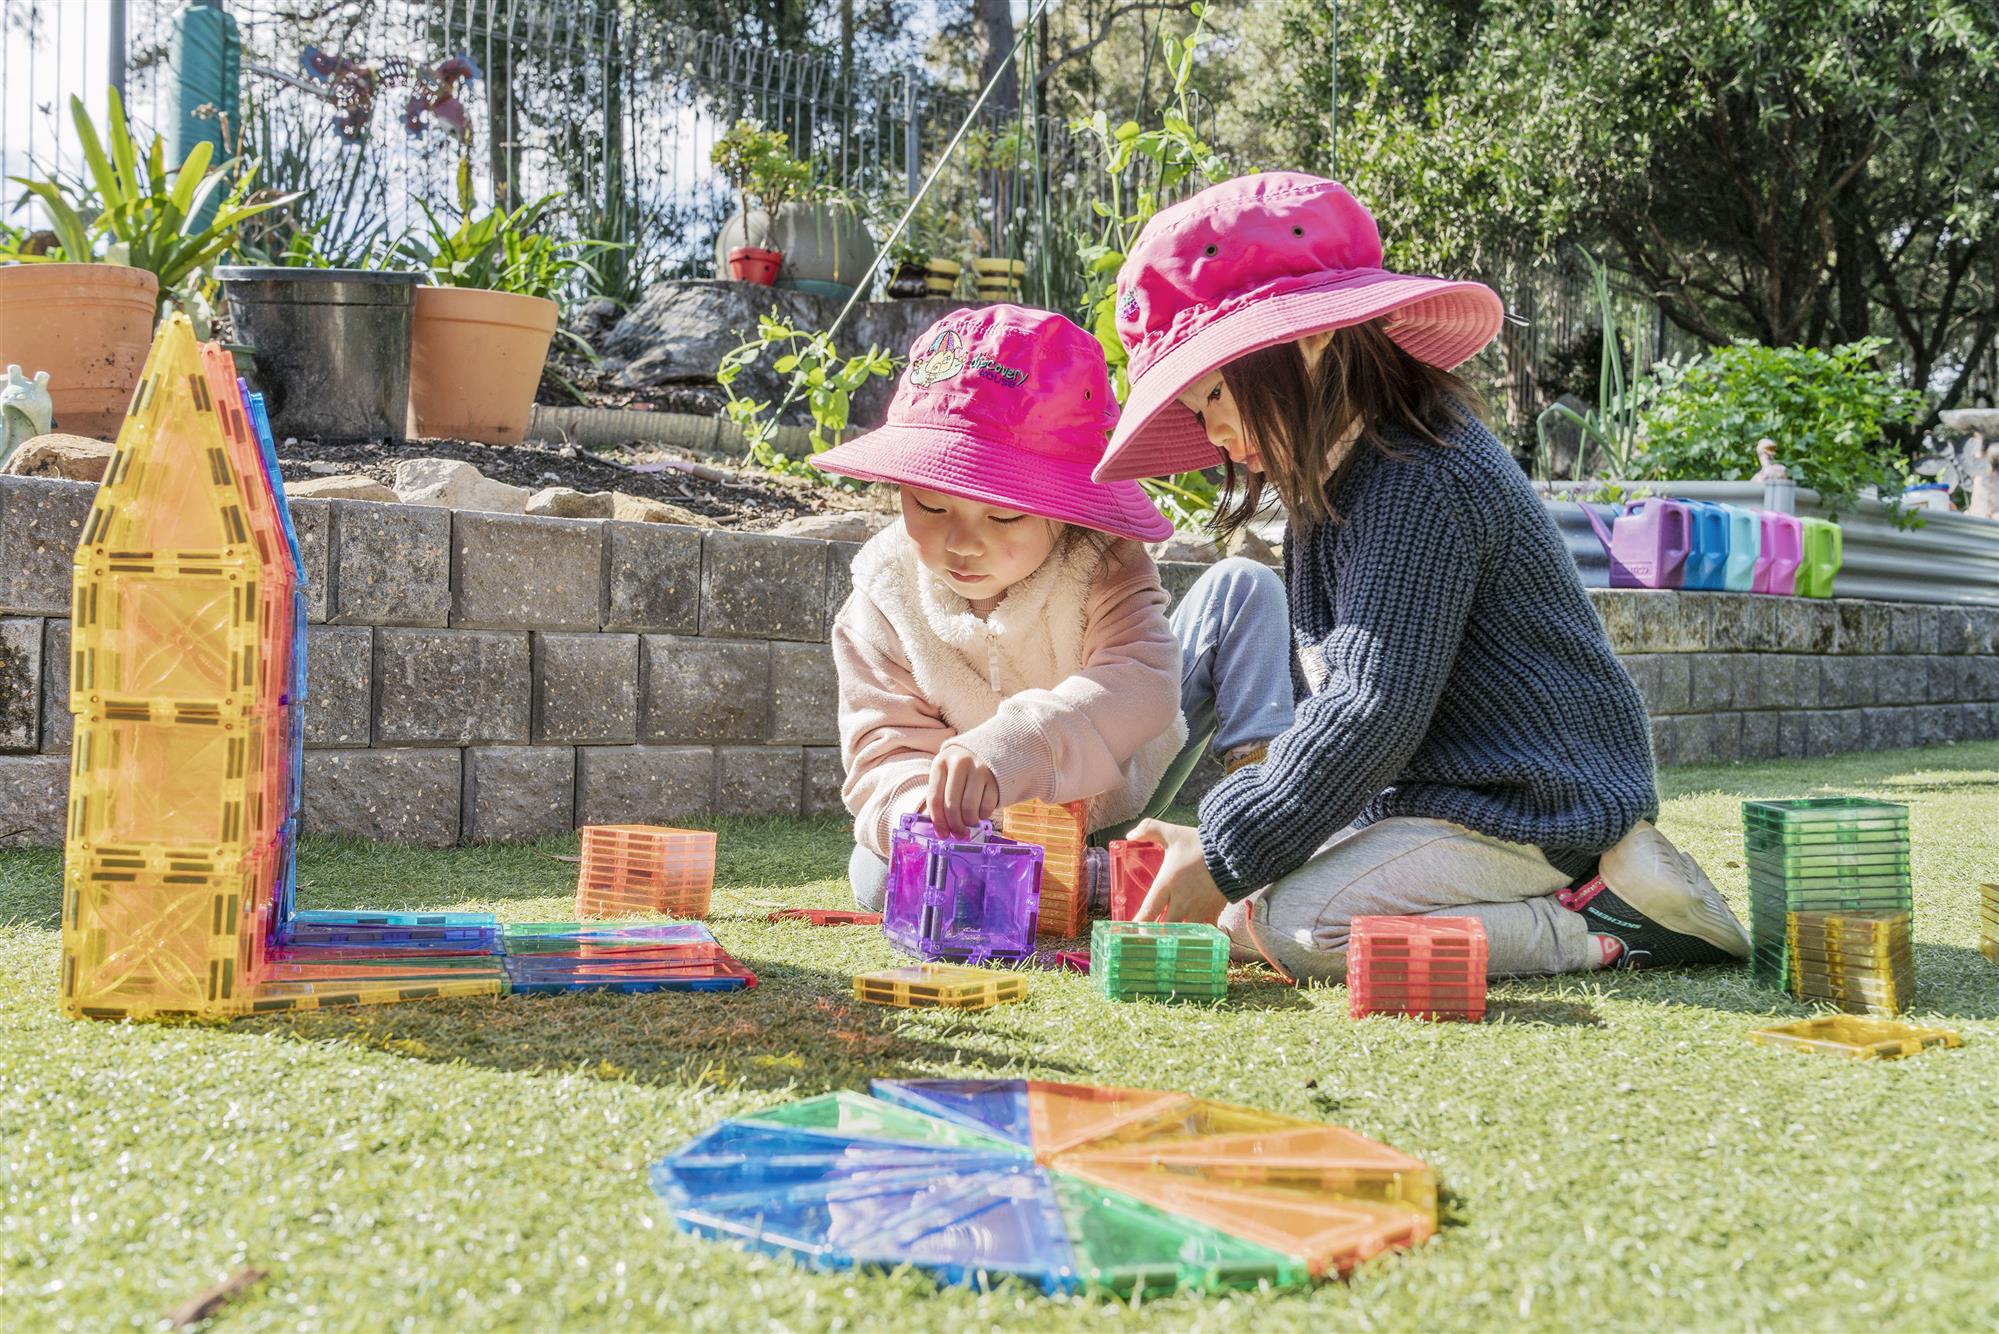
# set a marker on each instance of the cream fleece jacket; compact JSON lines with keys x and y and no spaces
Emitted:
{"x":1069,"y":689}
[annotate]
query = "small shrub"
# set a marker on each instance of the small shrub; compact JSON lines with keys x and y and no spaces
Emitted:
{"x":1828,"y":411}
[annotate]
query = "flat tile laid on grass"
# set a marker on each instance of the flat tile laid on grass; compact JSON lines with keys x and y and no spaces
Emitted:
{"x":1613,"y":1150}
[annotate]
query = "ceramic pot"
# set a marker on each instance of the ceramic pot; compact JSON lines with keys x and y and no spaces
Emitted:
{"x":476,"y":359}
{"x":88,"y":326}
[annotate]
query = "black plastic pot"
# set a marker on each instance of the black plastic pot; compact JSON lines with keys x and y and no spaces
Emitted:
{"x":909,"y":282}
{"x":332,"y":347}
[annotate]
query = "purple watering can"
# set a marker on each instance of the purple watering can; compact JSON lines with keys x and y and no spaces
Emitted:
{"x":1650,"y":544}
{"x":1783,"y":550}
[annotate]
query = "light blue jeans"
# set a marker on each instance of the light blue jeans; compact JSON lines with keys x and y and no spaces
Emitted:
{"x":1234,"y":629}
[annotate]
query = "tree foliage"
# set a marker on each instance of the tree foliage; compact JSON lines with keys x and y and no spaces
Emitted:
{"x":1800,"y":172}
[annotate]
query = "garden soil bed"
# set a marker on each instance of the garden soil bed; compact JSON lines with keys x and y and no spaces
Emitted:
{"x":732,"y":497}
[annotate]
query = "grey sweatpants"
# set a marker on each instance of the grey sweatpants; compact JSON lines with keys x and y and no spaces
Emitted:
{"x":1405,"y":867}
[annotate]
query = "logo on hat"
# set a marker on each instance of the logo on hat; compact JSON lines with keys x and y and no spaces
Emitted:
{"x":944,"y":358}
{"x":1127,"y":306}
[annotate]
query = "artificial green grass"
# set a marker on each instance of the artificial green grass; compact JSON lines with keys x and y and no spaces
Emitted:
{"x":1614,"y":1152}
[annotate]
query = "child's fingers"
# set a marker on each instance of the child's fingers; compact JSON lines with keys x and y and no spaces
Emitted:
{"x":1156,"y":902}
{"x":1148,"y":831}
{"x":933,"y":800}
{"x":957,"y":774}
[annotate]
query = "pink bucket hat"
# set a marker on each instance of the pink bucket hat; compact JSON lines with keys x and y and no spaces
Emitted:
{"x":1007,"y":406}
{"x":1249,"y":263}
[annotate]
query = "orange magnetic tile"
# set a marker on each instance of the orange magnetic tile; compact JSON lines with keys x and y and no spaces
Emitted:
{"x":1305,"y":1156}
{"x":629,"y":870}
{"x":1331,"y":1233}
{"x":1066,"y":1116}
{"x":1060,"y":834}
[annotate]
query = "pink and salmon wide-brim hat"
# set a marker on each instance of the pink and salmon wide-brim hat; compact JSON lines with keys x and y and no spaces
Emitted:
{"x":1010,"y":407}
{"x":1248,"y":264}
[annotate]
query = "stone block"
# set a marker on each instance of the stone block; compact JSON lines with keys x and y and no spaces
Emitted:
{"x":514,"y":793}
{"x":1942,"y":675}
{"x":1664,"y":679}
{"x":1729,"y":617}
{"x":703,"y":689}
{"x":586,"y":689}
{"x":1901,"y":680}
{"x":839,"y":577}
{"x":804,"y":695}
{"x":1953,"y":629}
{"x":1807,"y":625}
{"x":652,"y":578}
{"x":1666,"y":622}
{"x":759,"y":780}
{"x":1761,"y":735}
{"x":1712,"y":682}
{"x":56,"y":719}
{"x":387,"y":796}
{"x":1984,"y":675}
{"x":1177,"y":576}
{"x":1759,"y":632}
{"x":1721,"y":741}
{"x":1881,"y":728}
{"x":389,"y":564}
{"x":1984,"y":631}
{"x":1863,"y":626}
{"x":451,"y":687}
{"x":824,"y":777}
{"x":644,"y":784}
{"x":41,"y":521}
{"x":754,"y":585}
{"x":1795,"y":683}
{"x":20,"y":682}
{"x":1618,"y":617}
{"x":1826,"y":732}
{"x":34,"y":796}
{"x":1907,"y":623}
{"x":310,"y":520}
{"x":1678,"y":740}
{"x":515,"y":572}
{"x":1845,"y":682}
{"x":339,"y":675}
{"x":1793,"y":734}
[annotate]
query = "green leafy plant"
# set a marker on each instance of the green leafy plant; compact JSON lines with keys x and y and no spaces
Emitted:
{"x":503,"y":250}
{"x":1612,"y":427}
{"x":757,"y":163}
{"x":1828,"y":410}
{"x":827,"y":379}
{"x":144,"y":217}
{"x":1178,"y":157}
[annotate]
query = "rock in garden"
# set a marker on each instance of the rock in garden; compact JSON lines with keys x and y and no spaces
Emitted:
{"x":456,"y":485}
{"x":348,"y":486}
{"x":323,"y":468}
{"x":76,"y":457}
{"x":845,"y":526}
{"x":1181,"y":547}
{"x":1246,"y":543}
{"x":563,"y":502}
{"x":637,"y":509}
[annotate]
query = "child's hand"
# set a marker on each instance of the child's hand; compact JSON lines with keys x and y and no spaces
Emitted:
{"x":1183,"y":891}
{"x":963,"y":791}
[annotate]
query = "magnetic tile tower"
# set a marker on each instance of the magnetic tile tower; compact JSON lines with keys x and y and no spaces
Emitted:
{"x":187,"y":682}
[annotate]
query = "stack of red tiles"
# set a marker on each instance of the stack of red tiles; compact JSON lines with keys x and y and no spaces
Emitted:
{"x":1425,"y":967}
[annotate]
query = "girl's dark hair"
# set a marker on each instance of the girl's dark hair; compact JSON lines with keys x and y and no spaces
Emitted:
{"x":1297,"y":417}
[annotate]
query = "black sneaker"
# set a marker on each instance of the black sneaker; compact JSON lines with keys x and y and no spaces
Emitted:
{"x":1646,"y":943}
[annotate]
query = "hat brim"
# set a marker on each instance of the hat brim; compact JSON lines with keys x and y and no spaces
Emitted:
{"x":973,"y":468}
{"x":1440,"y":321}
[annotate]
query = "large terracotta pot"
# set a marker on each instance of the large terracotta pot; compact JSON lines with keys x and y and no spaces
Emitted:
{"x":88,"y":326}
{"x":475,"y":360}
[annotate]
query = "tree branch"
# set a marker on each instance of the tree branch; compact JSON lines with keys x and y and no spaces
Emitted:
{"x":1110,"y":16}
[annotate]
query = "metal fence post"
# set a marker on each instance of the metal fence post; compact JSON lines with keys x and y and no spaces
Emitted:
{"x":912,"y":135}
{"x":115,"y":51}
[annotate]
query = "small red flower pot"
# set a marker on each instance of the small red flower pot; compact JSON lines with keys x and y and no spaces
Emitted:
{"x":748,"y":264}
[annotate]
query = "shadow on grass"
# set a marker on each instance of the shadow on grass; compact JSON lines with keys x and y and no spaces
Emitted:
{"x":793,"y":1029}
{"x":1543,"y":1013}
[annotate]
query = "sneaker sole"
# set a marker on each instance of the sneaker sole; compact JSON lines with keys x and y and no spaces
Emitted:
{"x":1669,"y":887}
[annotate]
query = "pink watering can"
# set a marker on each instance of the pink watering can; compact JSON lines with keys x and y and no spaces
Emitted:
{"x":1782,"y":551}
{"x":1650,"y":544}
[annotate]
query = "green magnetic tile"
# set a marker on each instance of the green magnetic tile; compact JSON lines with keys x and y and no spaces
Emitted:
{"x":1127,"y":1247}
{"x":1814,"y":813}
{"x":857,"y":1115}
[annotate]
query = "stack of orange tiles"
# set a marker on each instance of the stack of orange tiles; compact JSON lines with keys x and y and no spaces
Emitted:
{"x":1059,"y":831}
{"x":639,"y":870}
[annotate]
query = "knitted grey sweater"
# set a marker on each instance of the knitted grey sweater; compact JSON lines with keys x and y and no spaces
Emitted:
{"x":1456,"y":670}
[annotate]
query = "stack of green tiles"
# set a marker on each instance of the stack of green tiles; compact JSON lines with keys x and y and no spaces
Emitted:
{"x":1165,"y":959}
{"x":1821,"y":854}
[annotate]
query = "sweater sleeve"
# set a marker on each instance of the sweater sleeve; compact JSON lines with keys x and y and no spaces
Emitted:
{"x":889,"y":733}
{"x":1406,"y":574}
{"x":1072,"y":742}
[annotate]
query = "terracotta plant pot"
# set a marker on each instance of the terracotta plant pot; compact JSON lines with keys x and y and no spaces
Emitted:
{"x":475,"y":361}
{"x":748,"y":264}
{"x":88,"y":326}
{"x":942,"y":276}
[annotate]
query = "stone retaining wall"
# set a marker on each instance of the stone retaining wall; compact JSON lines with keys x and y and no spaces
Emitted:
{"x":477,"y":676}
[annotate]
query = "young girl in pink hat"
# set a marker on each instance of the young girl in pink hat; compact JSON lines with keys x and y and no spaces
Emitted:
{"x":1465,"y":742}
{"x":1009,"y":638}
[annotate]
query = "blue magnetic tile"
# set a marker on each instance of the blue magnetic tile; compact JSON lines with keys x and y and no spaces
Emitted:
{"x":267,"y":449}
{"x":995,"y":1105}
{"x":737,"y":1159}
